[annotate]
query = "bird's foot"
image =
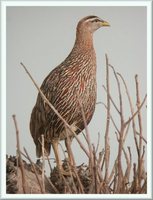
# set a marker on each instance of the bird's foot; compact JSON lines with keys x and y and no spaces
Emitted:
{"x":64,"y":168}
{"x":64,"y":172}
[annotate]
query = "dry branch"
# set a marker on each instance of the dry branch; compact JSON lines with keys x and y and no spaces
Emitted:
{"x":43,"y":164}
{"x":87,"y":136}
{"x":140,"y":131}
{"x":121,"y":135}
{"x":132,"y":109}
{"x":24,"y":185}
{"x":107,"y":145}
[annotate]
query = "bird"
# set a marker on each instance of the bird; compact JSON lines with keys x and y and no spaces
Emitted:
{"x":71,"y":82}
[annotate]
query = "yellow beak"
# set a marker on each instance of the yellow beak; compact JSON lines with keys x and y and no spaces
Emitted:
{"x":104,"y":23}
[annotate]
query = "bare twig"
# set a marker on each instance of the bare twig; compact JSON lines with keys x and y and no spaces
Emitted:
{"x":120,"y":95}
{"x":121,"y":134}
{"x":111,"y":118}
{"x":129,"y":165}
{"x":132,"y":110}
{"x":144,"y":187}
{"x":112,"y":172}
{"x":107,"y":145}
{"x":45,"y":152}
{"x":111,"y":99}
{"x":98,"y":142}
{"x":126,"y":132}
{"x":24,"y":184}
{"x":73,"y":165}
{"x":142,"y":137}
{"x":140,"y":130}
{"x":87,"y":134}
{"x":135,"y":114}
{"x":43,"y":164}
{"x":79,"y":181}
{"x":95,"y":170}
{"x":139,"y":106}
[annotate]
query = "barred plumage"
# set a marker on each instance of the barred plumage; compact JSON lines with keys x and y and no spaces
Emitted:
{"x":74,"y":79}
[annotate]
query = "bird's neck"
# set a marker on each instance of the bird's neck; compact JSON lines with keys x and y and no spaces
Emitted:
{"x":84,"y":40}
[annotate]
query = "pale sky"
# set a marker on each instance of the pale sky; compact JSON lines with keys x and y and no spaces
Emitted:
{"x":42,"y":37}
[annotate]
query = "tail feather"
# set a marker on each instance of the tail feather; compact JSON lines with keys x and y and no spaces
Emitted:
{"x":47,"y":147}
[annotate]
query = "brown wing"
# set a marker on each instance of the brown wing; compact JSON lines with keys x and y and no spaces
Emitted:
{"x":63,"y":86}
{"x":41,"y":112}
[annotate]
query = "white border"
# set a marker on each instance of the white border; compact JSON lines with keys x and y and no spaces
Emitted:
{"x":149,"y":100}
{"x":4,"y":4}
{"x":3,"y":95}
{"x":77,"y":3}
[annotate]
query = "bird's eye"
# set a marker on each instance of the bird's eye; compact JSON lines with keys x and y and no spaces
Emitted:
{"x":96,"y":20}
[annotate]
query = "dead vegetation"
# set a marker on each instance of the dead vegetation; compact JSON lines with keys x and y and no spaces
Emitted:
{"x":96,"y":176}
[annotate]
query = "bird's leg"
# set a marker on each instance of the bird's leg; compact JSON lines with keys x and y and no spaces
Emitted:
{"x":57,"y":157}
{"x":68,"y":142}
{"x":56,"y":152}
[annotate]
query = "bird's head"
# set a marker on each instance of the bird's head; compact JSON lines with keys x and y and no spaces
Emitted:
{"x":91,"y":23}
